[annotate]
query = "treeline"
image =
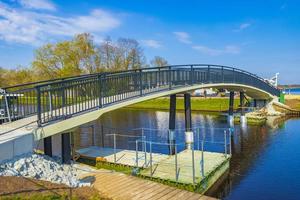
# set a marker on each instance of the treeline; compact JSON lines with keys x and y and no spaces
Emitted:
{"x":80,"y":56}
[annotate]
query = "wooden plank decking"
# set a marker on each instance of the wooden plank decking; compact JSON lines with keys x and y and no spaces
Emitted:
{"x":119,"y":186}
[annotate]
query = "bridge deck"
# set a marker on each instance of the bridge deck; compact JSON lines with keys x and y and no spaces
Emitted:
{"x":124,"y":187}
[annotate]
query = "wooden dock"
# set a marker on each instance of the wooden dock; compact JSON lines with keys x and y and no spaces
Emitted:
{"x":119,"y":186}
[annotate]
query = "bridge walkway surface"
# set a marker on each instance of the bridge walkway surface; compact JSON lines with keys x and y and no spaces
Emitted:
{"x":120,"y":186}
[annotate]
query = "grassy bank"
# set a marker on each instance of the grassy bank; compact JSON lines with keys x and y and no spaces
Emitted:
{"x":293,"y":101}
{"x":198,"y":104}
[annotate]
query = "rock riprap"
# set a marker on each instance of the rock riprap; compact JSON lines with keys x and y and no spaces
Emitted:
{"x":40,"y":167}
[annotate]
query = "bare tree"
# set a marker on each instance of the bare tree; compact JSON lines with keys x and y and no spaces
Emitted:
{"x":131,"y":52}
{"x":158,"y":61}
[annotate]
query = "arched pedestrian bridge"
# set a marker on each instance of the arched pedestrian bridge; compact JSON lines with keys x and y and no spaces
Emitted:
{"x":55,"y":106}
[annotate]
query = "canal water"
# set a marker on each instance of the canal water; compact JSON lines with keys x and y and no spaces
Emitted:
{"x":265,"y":160}
{"x":295,"y":91}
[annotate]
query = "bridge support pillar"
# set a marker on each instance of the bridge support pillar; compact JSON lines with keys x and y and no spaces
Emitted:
{"x":48,"y":146}
{"x":230,"y":111}
{"x":189,"y":135}
{"x":172,"y":120}
{"x":66,"y":148}
{"x":242,"y":103}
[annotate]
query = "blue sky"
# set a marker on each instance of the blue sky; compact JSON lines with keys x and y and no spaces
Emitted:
{"x":259,"y":36}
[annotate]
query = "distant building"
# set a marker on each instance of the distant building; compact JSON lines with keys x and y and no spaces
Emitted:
{"x":205,"y":92}
{"x":273,"y":81}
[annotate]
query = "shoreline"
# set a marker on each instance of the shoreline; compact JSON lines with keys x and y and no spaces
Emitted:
{"x":210,"y":104}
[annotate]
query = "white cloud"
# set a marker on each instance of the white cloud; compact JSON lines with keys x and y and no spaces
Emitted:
{"x":151,"y":43}
{"x":183,"y":37}
{"x":229,"y":49}
{"x":38,"y":4}
{"x":31,"y":27}
{"x":242,"y":27}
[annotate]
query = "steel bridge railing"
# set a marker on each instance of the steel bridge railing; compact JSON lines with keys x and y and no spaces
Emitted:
{"x":62,"y":98}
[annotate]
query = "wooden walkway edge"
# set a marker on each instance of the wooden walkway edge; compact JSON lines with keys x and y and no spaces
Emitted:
{"x":120,"y":186}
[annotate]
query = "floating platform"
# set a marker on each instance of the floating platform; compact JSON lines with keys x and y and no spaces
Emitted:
{"x":123,"y":157}
{"x":164,"y":168}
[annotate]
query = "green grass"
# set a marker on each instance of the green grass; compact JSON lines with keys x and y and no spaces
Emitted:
{"x":252,"y":120}
{"x":45,"y":197}
{"x":197,"y":104}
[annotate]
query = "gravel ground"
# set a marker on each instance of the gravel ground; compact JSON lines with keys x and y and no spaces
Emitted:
{"x":41,"y":167}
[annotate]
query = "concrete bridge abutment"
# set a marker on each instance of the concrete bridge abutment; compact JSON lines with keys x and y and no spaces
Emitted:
{"x":65,"y":147}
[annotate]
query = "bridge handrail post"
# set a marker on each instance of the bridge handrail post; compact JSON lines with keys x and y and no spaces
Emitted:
{"x":222,"y":68}
{"x":141,"y":82}
{"x":192,"y":74}
{"x":233,"y":74}
{"x":208,"y":74}
{"x":63,"y":101}
{"x":39,"y":109}
{"x":159,"y":77}
{"x":100,"y":90}
{"x":4,"y":94}
{"x":170,"y":77}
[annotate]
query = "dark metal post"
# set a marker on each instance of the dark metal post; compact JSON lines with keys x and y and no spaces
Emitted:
{"x":48,"y":146}
{"x":187,"y":109}
{"x":264,"y":102}
{"x":66,"y":148}
{"x":255,"y":103}
{"x":231,"y":103}
{"x":242,"y":101}
{"x":172,"y":119}
{"x":230,"y":110}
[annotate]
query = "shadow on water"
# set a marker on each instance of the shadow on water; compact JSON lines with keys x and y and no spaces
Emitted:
{"x":260,"y":153}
